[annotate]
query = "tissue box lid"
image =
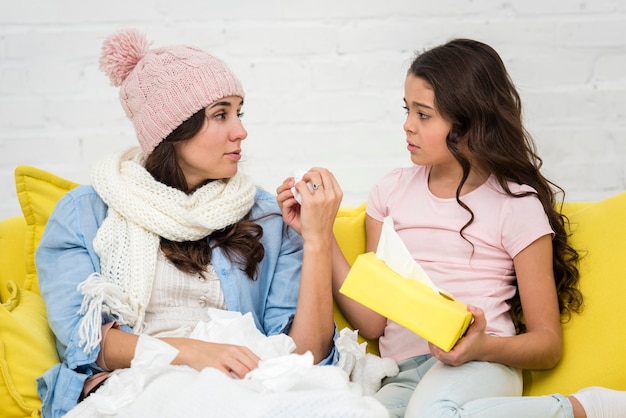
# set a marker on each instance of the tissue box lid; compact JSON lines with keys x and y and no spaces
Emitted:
{"x":414,"y":305}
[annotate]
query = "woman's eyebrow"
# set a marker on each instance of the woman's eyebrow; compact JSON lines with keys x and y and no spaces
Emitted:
{"x":216,"y":104}
{"x":224,"y":103}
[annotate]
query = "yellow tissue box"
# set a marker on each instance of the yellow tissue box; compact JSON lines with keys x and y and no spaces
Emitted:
{"x":438,"y":319}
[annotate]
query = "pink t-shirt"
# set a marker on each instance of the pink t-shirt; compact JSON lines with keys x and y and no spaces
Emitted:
{"x":429,"y":226}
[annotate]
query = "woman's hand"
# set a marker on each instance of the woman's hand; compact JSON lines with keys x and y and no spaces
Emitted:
{"x":230,"y":359}
{"x":288,"y":204}
{"x":319,"y":206}
{"x":469,"y":347}
{"x":119,"y":350}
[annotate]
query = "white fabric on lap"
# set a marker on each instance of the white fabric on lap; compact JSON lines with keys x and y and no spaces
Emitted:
{"x":284,"y":385}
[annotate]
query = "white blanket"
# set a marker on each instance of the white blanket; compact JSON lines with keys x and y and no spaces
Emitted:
{"x":284,"y":385}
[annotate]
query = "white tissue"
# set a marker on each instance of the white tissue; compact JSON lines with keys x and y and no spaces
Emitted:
{"x":280,"y":374}
{"x":350,"y":351}
{"x":394,"y":253}
{"x":297,"y":176}
{"x":152,"y":357}
{"x":231,"y":327}
{"x":365,"y":369}
{"x":152,"y":352}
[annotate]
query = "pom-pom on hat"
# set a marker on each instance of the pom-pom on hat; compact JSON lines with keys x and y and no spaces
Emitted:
{"x":163,"y":87}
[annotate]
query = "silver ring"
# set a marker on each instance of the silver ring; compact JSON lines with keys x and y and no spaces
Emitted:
{"x":316,"y":186}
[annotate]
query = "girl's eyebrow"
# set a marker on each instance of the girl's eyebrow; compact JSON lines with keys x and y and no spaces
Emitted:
{"x":418,"y":104}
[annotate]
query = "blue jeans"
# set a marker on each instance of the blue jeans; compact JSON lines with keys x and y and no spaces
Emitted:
{"x":425,"y":387}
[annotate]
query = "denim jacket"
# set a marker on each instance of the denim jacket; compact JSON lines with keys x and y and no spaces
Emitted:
{"x":66,"y":257}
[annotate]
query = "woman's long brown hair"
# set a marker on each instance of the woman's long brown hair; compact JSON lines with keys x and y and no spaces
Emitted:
{"x":241,"y":242}
{"x":474,"y":92}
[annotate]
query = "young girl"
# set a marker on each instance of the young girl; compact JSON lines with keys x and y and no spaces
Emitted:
{"x":172,"y":229}
{"x":478,"y":215}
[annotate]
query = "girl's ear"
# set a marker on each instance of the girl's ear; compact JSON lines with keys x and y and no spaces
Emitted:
{"x":465,"y":142}
{"x":456,"y":135}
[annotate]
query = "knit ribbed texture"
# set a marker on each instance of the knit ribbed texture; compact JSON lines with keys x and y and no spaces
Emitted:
{"x":161,"y":88}
{"x":141,"y":210}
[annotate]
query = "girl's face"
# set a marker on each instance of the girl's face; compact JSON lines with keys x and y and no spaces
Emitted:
{"x":425,"y":128}
{"x":214,"y":152}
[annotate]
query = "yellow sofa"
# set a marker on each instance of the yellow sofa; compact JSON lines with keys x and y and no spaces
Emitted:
{"x":595,"y":341}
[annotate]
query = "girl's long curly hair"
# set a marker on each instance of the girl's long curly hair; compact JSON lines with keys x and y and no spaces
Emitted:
{"x":241,"y":242}
{"x":474,"y":92}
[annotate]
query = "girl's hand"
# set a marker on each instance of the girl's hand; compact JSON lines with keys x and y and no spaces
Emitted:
{"x":230,"y":359}
{"x":469,"y":347}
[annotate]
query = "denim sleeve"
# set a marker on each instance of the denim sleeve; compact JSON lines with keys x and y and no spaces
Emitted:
{"x":282,"y":297}
{"x":65,"y":257}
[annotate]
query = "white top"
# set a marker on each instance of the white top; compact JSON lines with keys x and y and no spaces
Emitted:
{"x":179,"y":300}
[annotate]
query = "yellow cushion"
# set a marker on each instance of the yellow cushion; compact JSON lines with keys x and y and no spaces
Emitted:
{"x":27,"y":350}
{"x":38,"y":192}
{"x":594,"y":341}
{"x":349,"y":228}
{"x":570,"y":207}
{"x":11,"y":255}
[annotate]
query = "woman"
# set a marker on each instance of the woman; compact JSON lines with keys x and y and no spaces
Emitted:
{"x":173,"y":228}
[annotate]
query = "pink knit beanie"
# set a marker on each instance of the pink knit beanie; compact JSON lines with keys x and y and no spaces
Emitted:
{"x":161,"y":88}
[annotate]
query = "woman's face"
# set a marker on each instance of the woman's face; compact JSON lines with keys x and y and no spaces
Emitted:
{"x":426,"y":130}
{"x":214,"y":152}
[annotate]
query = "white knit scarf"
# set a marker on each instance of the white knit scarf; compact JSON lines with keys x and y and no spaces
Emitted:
{"x":140,"y":210}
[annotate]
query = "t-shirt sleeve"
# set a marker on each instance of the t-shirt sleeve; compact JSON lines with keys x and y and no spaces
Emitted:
{"x":524,"y":221}
{"x":378,"y":200}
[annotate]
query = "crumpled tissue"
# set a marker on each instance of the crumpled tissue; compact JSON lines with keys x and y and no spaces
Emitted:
{"x":230,"y":327}
{"x":297,"y":176}
{"x":365,"y":369}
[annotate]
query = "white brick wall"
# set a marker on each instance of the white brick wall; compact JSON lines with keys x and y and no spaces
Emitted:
{"x":323,"y":81}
